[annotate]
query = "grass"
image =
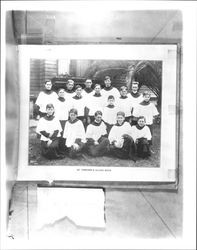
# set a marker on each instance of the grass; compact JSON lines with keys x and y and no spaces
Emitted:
{"x":35,"y":158}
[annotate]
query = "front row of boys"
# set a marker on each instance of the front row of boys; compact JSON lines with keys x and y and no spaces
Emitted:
{"x":123,"y":141}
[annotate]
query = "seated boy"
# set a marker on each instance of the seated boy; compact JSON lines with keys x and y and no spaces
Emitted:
{"x":96,"y":136}
{"x":49,"y":129}
{"x":141,"y":136}
{"x":109,"y":113}
{"x":121,"y":142}
{"x":74,"y":134}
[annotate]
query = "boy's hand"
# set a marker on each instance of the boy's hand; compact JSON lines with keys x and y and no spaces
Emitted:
{"x":75,"y":146}
{"x":37,"y":117}
{"x":49,"y":142}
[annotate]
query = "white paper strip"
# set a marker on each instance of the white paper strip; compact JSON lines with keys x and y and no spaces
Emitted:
{"x":85,"y":207}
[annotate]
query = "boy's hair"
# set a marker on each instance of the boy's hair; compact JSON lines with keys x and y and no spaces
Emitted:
{"x":70,"y":81}
{"x":146,"y":93}
{"x":107,"y":78}
{"x":97,"y":85}
{"x":121,"y":113}
{"x":47,"y":81}
{"x":123,"y":88}
{"x":73,"y":111}
{"x":88,"y":79}
{"x":98,"y":113}
{"x":141,"y":117}
{"x":111,"y":97}
{"x":135,"y":83}
{"x":60,"y":90}
{"x":49,"y":105}
{"x":78,"y":87}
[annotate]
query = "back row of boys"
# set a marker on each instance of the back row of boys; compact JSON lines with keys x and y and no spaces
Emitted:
{"x":87,"y":101}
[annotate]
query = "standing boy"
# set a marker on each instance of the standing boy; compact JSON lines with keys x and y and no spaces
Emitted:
{"x":46,"y":96}
{"x":70,"y":89}
{"x":62,"y":107}
{"x":110,"y":113}
{"x":124,"y":103}
{"x":109,"y":90}
{"x":136,"y":98}
{"x":88,"y":88}
{"x":78,"y":102}
{"x":95,"y":103}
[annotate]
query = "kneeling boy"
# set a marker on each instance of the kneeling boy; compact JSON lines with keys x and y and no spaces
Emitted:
{"x":142,"y":136}
{"x":74,"y":134}
{"x":96,"y":135}
{"x":121,"y":142}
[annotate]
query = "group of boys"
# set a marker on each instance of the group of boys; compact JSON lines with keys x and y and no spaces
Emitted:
{"x":100,"y":121}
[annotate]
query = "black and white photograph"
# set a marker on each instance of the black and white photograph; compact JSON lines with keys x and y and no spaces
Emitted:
{"x":97,"y":125}
{"x":97,"y":90}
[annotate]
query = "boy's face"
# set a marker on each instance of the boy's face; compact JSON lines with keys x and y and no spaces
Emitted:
{"x":123,"y":92}
{"x":78,"y":91}
{"x":120,"y":119}
{"x":48,"y":85}
{"x":98,"y":118}
{"x":88,"y":84}
{"x":141,"y":122}
{"x":70,"y":85}
{"x":107,"y":83}
{"x":50,"y":111}
{"x":61,"y":93}
{"x":111,"y":101}
{"x":97,"y":89}
{"x":134,"y":88}
{"x":72,"y":116}
{"x":146,"y":98}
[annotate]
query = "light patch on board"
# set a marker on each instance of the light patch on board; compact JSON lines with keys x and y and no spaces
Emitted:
{"x":83,"y":206}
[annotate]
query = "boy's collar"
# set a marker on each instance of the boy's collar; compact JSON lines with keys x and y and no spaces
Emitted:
{"x":144,"y":103}
{"x":97,"y":94}
{"x":139,"y":127}
{"x":62,"y":99}
{"x":119,"y":125}
{"x":135,"y":95}
{"x":76,"y":97}
{"x":88,"y":90}
{"x":48,"y":91}
{"x":70,"y":91}
{"x":49,"y":117}
{"x":74,"y":121}
{"x":111,"y":106}
{"x":96,"y":123}
{"x":108,"y":88}
{"x":123,"y":97}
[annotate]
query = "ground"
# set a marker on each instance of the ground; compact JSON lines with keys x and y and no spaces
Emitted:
{"x":35,"y":157}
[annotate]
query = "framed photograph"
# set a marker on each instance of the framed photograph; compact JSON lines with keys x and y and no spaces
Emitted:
{"x":155,"y":67}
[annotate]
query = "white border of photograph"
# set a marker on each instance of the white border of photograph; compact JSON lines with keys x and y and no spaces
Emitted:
{"x":168,"y":153}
